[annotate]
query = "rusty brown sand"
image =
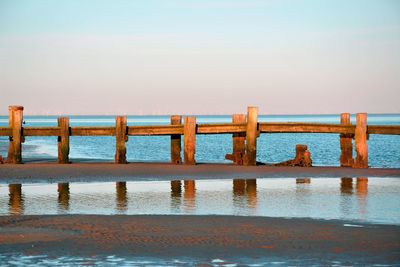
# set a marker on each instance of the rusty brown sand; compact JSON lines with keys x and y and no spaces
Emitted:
{"x":199,"y":237}
{"x":102,"y":172}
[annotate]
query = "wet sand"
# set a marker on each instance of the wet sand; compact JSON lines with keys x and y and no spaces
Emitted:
{"x":103,"y":172}
{"x":200,"y":237}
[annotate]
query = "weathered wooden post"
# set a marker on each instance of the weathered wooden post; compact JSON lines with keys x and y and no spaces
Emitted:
{"x":360,"y":137}
{"x":176,"y":141}
{"x":346,"y":143}
{"x":63,"y":140}
{"x":189,"y":142}
{"x":238,"y":141}
{"x":251,"y":136}
{"x":121,"y":138}
{"x":15,"y":115}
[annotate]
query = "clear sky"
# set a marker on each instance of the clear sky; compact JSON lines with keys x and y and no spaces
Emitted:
{"x":200,"y":57}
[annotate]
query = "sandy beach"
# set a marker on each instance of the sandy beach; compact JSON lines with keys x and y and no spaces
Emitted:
{"x":201,"y":238}
{"x":102,"y":172}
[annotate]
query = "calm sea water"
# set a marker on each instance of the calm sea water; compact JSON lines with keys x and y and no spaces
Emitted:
{"x":272,"y":148}
{"x":374,"y":200}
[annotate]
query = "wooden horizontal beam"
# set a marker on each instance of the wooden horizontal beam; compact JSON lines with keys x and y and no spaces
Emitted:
{"x":305,"y":128}
{"x":93,"y":131}
{"x":41,"y":131}
{"x":5,"y":131}
{"x":384,"y":129}
{"x":155,"y":130}
{"x":221,"y":128}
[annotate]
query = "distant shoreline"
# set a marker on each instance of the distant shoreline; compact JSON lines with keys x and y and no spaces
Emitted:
{"x":106,"y":172}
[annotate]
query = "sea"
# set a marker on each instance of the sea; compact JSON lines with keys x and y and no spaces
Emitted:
{"x":271,"y":148}
{"x":354,"y":200}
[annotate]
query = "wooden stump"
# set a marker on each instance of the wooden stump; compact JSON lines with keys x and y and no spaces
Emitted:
{"x":15,"y":114}
{"x":63,"y":140}
{"x":361,"y":141}
{"x":251,"y":136}
{"x":238,"y":141}
{"x":189,"y":131}
{"x":346,"y":143}
{"x":176,"y":141}
{"x":121,"y":138}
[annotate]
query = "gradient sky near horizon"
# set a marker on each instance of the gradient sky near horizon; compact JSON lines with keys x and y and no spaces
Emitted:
{"x":200,"y":57}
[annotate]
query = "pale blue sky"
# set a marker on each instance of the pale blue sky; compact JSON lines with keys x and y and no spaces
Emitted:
{"x":202,"y":57}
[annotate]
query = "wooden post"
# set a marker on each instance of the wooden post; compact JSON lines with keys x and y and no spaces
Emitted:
{"x":346,"y":143}
{"x":176,"y":141}
{"x":63,"y":140}
{"x":361,"y":141}
{"x":121,"y":138}
{"x":238,"y":141}
{"x":189,"y":132}
{"x":15,"y":114}
{"x":251,"y":136}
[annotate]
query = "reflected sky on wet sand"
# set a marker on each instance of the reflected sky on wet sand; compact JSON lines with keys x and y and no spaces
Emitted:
{"x":359,"y":199}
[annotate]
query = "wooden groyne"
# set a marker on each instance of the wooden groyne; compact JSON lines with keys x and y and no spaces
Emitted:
{"x":245,"y":130}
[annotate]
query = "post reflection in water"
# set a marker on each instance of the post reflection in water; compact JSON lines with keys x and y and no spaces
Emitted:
{"x":245,"y":188}
{"x":63,"y":196}
{"x":121,"y":198}
{"x":362,"y":192}
{"x":189,"y":196}
{"x":16,"y":201}
{"x":346,"y":186}
{"x":303,"y":180}
{"x":176,"y":193}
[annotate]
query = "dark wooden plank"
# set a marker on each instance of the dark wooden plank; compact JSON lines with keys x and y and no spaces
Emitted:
{"x":5,"y":131}
{"x":305,"y":128}
{"x":155,"y":130}
{"x":221,"y":128}
{"x":93,"y":131}
{"x":41,"y":131}
{"x":384,"y":129}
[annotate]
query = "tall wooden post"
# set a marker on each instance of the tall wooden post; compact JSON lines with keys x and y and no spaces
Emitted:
{"x":63,"y":140}
{"x":189,"y":142}
{"x":121,"y":138}
{"x":251,"y":136}
{"x":360,"y":137}
{"x":238,"y":139}
{"x":346,"y":143}
{"x":15,"y":114}
{"x":176,"y":141}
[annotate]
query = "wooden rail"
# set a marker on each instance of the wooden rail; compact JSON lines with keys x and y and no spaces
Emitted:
{"x":244,"y":129}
